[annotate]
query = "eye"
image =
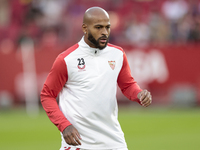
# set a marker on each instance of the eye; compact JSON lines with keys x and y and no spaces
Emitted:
{"x":108,"y":27}
{"x":98,"y":27}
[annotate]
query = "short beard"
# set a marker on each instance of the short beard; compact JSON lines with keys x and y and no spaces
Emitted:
{"x":96,"y":42}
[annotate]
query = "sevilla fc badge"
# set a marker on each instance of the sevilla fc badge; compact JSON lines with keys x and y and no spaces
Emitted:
{"x":112,"y":64}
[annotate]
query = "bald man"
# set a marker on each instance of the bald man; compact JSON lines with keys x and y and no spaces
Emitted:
{"x":85,"y":77}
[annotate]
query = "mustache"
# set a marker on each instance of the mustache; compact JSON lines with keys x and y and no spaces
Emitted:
{"x":103,"y":37}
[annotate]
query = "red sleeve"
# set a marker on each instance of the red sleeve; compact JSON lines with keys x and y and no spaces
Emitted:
{"x":52,"y":86}
{"x":126,"y":82}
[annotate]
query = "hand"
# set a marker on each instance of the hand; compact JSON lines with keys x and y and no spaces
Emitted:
{"x":71,"y":136}
{"x":145,"y":98}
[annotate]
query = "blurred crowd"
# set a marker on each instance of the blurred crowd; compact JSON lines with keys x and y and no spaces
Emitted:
{"x":52,"y":23}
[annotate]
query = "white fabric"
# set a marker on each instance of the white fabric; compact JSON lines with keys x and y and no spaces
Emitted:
{"x":93,"y":113}
{"x":67,"y":148}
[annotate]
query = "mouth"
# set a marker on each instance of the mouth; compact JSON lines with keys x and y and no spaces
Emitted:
{"x":103,"y":40}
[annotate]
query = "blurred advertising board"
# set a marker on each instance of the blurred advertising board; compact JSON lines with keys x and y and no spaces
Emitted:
{"x":170,"y":72}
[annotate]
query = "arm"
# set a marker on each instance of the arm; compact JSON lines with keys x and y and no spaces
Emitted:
{"x":52,"y":86}
{"x":129,"y":86}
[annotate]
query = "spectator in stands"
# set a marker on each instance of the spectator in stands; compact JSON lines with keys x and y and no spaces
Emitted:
{"x":138,"y":33}
{"x":159,"y":30}
{"x":174,"y":11}
{"x":30,"y":18}
{"x":194,"y":34}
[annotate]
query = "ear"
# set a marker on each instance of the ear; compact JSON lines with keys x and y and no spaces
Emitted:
{"x":84,"y":28}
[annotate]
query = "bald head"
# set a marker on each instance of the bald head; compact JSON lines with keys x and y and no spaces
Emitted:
{"x":96,"y":27}
{"x":94,"y":13}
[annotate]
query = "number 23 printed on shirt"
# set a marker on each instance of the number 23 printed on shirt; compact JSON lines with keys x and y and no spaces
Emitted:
{"x":81,"y":63}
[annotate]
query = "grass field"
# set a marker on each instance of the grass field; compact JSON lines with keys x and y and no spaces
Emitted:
{"x":145,"y":129}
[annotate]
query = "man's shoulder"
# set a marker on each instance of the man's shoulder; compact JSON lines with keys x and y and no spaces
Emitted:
{"x":69,"y":50}
{"x":116,"y":47}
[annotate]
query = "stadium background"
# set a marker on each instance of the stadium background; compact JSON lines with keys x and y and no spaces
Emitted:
{"x":161,"y":39}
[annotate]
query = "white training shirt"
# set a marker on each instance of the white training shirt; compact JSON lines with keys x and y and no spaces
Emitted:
{"x":86,"y":80}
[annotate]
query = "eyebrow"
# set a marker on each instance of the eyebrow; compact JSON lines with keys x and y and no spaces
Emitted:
{"x":102,"y":25}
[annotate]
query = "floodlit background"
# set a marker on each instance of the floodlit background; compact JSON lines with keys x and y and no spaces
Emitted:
{"x":161,"y":39}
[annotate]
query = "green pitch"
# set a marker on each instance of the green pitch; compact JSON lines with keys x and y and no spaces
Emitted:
{"x":145,"y":129}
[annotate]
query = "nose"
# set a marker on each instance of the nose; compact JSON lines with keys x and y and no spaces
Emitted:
{"x":105,"y":32}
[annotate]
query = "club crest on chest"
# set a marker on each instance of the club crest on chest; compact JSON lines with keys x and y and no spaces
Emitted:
{"x":112,"y":64}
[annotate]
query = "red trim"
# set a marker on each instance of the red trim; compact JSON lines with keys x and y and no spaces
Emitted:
{"x":126,"y":82}
{"x":69,"y":50}
{"x":115,"y":46}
